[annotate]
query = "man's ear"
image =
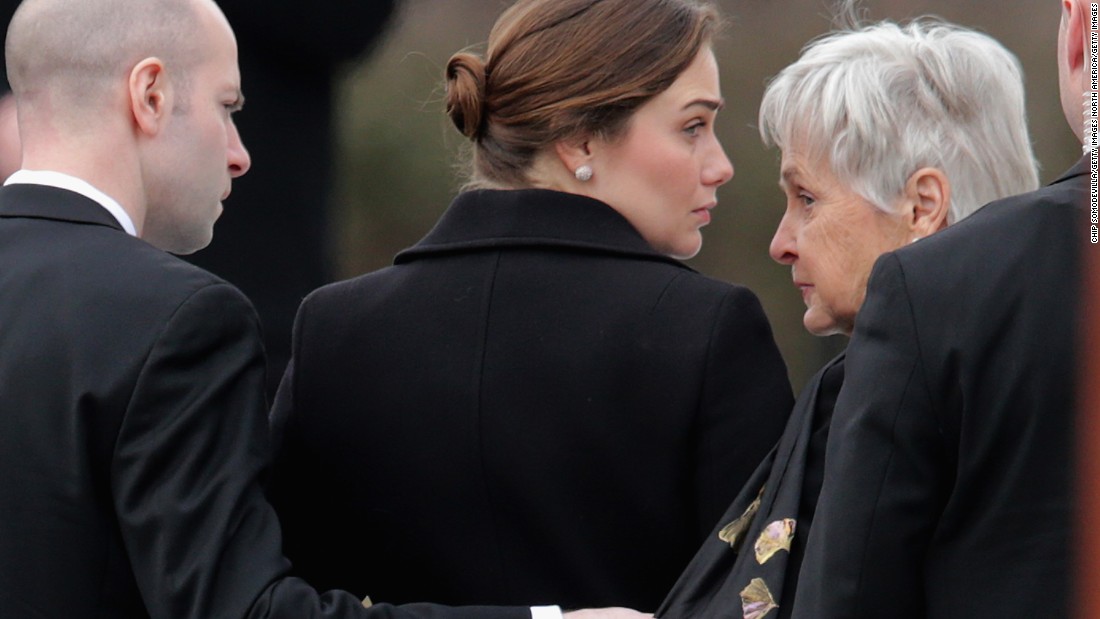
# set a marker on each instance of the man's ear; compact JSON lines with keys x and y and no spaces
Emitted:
{"x":150,"y":95}
{"x":1075,"y":20}
{"x":927,"y":201}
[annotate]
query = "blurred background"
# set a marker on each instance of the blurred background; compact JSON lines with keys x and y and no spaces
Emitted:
{"x":396,"y":154}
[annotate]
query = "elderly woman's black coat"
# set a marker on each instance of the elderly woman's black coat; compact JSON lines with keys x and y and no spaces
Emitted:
{"x":749,"y":565}
{"x":531,"y":406}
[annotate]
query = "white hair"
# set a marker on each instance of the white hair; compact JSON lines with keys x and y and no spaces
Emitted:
{"x":882,"y":101}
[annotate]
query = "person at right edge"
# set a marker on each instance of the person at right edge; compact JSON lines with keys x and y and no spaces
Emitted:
{"x":948,"y":486}
{"x":539,"y":401}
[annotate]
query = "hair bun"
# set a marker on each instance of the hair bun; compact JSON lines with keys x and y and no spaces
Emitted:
{"x":466,"y":93}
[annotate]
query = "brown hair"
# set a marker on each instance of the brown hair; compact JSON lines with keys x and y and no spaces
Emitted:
{"x":559,"y":69}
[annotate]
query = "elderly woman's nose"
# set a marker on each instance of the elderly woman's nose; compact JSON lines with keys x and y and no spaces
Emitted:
{"x":783,"y":248}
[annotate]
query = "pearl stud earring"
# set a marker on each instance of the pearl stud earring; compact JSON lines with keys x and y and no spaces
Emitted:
{"x":583,"y":173}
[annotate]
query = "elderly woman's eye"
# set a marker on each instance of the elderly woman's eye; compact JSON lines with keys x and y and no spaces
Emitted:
{"x":806,"y":199}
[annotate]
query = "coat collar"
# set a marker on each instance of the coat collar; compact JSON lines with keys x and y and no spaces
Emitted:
{"x":45,"y":202}
{"x":499,"y":219}
{"x":1081,"y":167}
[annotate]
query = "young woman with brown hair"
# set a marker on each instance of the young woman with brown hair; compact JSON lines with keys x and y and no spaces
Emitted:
{"x":538,"y":402}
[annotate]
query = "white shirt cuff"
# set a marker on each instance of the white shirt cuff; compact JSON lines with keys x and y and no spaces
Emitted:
{"x":546,"y":612}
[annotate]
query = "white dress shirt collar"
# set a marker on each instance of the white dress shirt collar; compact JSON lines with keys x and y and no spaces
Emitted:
{"x":74,"y":184}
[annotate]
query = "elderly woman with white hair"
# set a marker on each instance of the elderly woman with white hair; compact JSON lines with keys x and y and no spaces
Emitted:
{"x":888,"y":134}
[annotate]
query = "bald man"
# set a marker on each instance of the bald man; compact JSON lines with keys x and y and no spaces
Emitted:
{"x":132,"y":420}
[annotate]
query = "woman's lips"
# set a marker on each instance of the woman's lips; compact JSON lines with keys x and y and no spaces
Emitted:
{"x":703,"y":212}
{"x":804,"y":288}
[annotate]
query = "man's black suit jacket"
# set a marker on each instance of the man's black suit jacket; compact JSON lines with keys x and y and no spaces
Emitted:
{"x":133,"y":432}
{"x":532,"y":405}
{"x":947,"y":489}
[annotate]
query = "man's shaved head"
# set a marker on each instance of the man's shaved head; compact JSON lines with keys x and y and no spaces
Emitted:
{"x":135,"y":97}
{"x":73,"y":53}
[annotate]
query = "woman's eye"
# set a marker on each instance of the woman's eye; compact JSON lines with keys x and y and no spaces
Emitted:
{"x":806,"y":198}
{"x":693,"y":128}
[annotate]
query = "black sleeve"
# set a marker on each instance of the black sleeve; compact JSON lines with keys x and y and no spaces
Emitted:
{"x":202,"y":539}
